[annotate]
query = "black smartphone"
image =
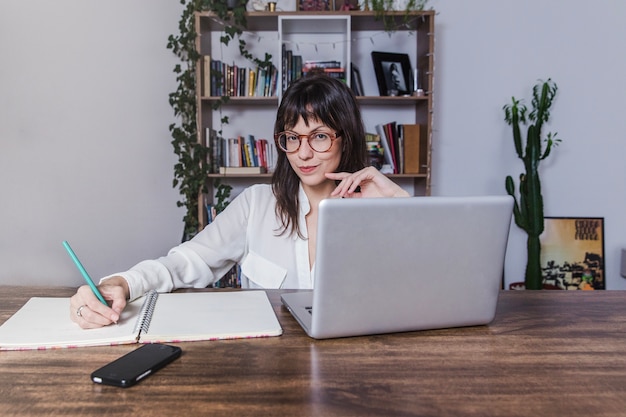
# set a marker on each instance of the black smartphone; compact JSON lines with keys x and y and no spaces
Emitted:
{"x":131,"y":368}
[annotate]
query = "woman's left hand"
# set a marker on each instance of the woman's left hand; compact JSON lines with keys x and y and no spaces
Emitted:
{"x":371,"y":182}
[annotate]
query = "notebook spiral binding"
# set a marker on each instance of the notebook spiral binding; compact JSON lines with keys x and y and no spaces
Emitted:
{"x":145,"y":316}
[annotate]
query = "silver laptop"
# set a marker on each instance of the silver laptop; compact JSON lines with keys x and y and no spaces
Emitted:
{"x":387,"y":265}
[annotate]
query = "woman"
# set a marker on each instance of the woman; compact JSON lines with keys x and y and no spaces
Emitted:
{"x":270,"y":230}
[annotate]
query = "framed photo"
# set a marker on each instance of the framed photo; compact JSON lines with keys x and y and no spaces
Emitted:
{"x":313,"y":5}
{"x":355,"y":81}
{"x":393,"y":73}
{"x":345,"y":5}
{"x":572,"y":253}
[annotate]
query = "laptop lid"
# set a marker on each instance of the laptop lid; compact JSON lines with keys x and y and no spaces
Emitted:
{"x":402,"y":264}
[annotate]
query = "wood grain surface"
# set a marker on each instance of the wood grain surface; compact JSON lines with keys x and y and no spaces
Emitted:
{"x":547,"y":353}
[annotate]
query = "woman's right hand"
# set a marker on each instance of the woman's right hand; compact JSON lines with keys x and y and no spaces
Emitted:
{"x":371,"y":182}
{"x":88,"y":311}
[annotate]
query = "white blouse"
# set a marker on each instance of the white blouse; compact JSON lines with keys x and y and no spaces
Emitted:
{"x":245,"y":233}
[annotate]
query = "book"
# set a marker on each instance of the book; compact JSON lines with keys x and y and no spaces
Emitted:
{"x":297,"y":67}
{"x":261,"y":151}
{"x":308,"y":64}
{"x":273,"y":82}
{"x":401,"y":160}
{"x":414,"y":137}
{"x":391,"y":132}
{"x":206,"y":76}
{"x":386,"y":149}
{"x":242,"y":170}
{"x":260,"y":81}
{"x":216,"y":78}
{"x":243,"y":152}
{"x":355,"y":81}
{"x":398,"y":153}
{"x":270,"y":153}
{"x":215,"y":155}
{"x":251,"y":149}
{"x":43,"y":322}
{"x":242,"y":81}
{"x":286,"y":67}
{"x":251,"y":82}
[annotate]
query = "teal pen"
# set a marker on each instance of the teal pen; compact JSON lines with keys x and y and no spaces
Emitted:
{"x":84,"y":273}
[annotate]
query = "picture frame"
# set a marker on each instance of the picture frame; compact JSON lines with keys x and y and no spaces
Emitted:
{"x":314,"y":5}
{"x":345,"y":5}
{"x":572,"y":253}
{"x":355,"y":81}
{"x":393,"y":73}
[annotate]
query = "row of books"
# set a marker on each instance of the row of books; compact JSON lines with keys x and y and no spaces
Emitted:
{"x":241,"y":155}
{"x":232,"y":279}
{"x":291,"y":67}
{"x":403,"y":147}
{"x":222,"y":79}
{"x":331,"y":68}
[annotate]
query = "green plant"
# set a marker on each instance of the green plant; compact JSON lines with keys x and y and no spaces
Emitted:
{"x":234,"y":20}
{"x":234,"y":23}
{"x":528,"y":211}
{"x":222,"y":195}
{"x":382,"y":8}
{"x":190,"y":172}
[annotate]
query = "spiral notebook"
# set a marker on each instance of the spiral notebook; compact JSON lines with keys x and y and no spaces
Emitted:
{"x":44,"y":323}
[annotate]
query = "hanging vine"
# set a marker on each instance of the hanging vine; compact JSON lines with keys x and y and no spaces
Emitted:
{"x":190,"y":172}
{"x":382,"y":8}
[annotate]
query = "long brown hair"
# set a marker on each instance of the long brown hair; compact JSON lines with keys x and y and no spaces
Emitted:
{"x":331,"y":102}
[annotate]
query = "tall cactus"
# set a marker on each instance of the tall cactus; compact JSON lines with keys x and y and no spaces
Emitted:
{"x":528,"y":211}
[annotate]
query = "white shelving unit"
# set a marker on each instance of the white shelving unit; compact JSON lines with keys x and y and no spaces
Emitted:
{"x":320,"y":38}
{"x":348,"y":37}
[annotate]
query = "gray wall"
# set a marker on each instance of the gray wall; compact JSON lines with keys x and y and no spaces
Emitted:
{"x":85,"y":151}
{"x":490,"y":50}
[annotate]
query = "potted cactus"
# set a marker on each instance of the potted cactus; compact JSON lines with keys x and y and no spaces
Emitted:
{"x":528,"y":209}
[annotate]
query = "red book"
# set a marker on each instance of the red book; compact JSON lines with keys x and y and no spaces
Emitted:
{"x":390,"y":134}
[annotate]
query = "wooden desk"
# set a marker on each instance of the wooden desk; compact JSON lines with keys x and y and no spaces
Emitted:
{"x":547,"y":353}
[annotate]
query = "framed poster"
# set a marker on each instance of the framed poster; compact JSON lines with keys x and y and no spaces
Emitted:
{"x":355,"y":81}
{"x":345,"y":5}
{"x":393,"y":73}
{"x":572,"y":253}
{"x":314,"y":5}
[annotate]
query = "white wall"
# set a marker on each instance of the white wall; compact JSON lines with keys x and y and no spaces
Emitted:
{"x":490,"y":50}
{"x":85,"y":150}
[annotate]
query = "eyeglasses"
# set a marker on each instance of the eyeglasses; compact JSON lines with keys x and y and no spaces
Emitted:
{"x":289,"y":142}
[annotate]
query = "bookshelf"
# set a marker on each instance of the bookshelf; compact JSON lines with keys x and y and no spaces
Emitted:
{"x":347,"y":37}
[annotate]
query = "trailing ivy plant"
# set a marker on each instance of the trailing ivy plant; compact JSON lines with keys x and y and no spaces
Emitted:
{"x":190,"y":172}
{"x":222,"y":195}
{"x":234,"y":24}
{"x":382,"y":8}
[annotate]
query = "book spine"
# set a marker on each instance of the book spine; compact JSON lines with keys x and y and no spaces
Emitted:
{"x":251,"y":82}
{"x":386,"y":149}
{"x":206,"y":72}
